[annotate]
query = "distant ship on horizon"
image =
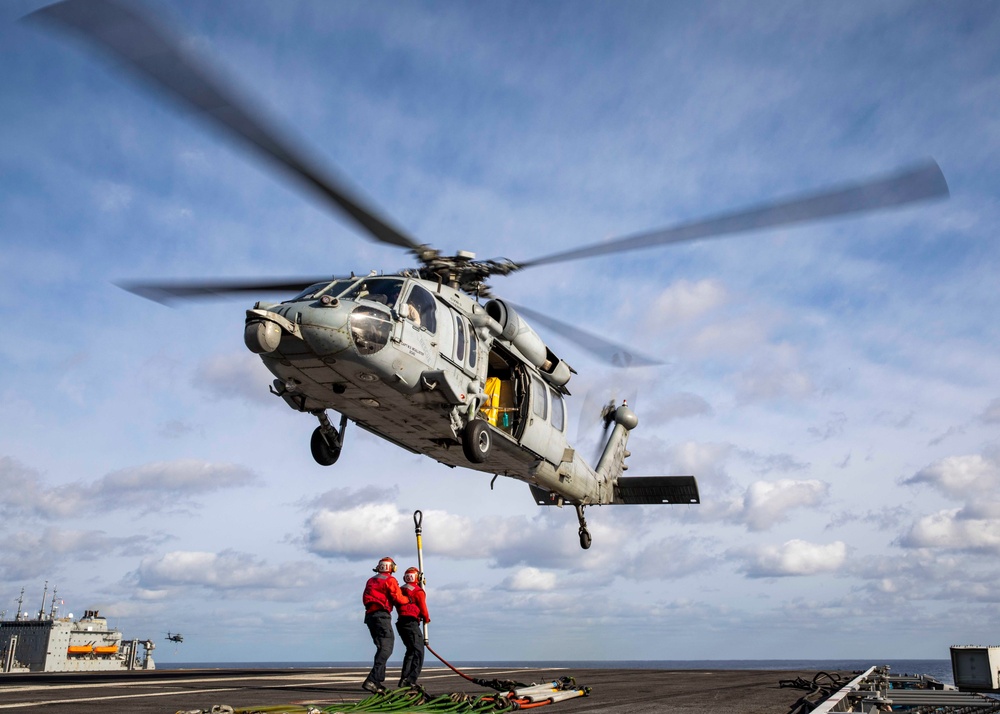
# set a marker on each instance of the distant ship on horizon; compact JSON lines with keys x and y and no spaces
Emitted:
{"x":48,"y":643}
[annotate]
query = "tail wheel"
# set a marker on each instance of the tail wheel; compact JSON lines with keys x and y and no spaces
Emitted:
{"x":325,"y":453}
{"x":584,"y":533}
{"x":477,"y":441}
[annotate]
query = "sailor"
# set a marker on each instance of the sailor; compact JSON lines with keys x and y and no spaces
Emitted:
{"x":408,"y":626}
{"x":381,"y":594}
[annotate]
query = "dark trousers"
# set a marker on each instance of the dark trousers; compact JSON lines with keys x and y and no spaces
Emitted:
{"x":380,"y":627}
{"x":412,"y":636}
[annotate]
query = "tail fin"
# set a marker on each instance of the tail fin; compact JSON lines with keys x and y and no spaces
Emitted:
{"x":611,"y":465}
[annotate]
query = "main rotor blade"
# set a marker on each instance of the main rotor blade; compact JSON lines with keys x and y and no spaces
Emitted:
{"x":609,"y":352}
{"x":156,"y":57}
{"x":166,"y":293}
{"x":919,"y":183}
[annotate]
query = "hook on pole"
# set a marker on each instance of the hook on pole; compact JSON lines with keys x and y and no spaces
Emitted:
{"x":418,"y":519}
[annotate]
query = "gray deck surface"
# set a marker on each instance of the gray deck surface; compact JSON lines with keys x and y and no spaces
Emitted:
{"x":618,"y":691}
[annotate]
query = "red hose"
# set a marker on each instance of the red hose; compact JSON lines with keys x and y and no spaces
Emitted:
{"x":448,"y":664}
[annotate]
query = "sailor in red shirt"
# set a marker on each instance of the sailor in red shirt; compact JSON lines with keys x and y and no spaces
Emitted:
{"x":408,"y":626}
{"x":381,"y":594}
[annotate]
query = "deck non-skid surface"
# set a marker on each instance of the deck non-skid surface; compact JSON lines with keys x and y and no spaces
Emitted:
{"x":614,"y":691}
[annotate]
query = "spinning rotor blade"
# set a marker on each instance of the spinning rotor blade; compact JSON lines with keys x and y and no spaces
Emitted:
{"x":156,"y":57}
{"x":609,"y":352}
{"x":165,"y":293}
{"x":915,"y":184}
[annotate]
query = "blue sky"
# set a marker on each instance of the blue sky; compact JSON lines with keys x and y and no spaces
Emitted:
{"x":835,"y":387}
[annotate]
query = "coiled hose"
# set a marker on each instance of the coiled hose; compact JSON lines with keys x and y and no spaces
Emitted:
{"x":509,"y":696}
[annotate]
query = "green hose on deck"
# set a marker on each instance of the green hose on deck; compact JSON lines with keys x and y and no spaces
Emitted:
{"x":417,"y":702}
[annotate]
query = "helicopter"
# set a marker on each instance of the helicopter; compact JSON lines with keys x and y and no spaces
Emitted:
{"x":175,"y":637}
{"x":428,"y":358}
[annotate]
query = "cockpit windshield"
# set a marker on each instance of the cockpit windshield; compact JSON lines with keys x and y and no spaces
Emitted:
{"x":317,"y":290}
{"x":381,"y":290}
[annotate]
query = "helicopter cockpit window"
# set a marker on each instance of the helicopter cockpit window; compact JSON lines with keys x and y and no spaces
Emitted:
{"x":328,"y":287}
{"x":473,"y":348}
{"x":558,"y":411}
{"x":381,"y":290}
{"x":539,"y":398}
{"x":420,"y":308}
{"x":370,"y":329}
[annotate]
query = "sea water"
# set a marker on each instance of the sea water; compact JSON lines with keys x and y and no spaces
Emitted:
{"x":939,"y":669}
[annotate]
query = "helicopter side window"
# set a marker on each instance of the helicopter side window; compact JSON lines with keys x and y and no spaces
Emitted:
{"x":539,"y":399}
{"x":473,"y":348}
{"x":381,"y":290}
{"x":459,"y":339}
{"x":558,"y":411}
{"x":421,"y":309}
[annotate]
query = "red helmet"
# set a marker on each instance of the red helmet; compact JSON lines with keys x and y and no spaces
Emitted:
{"x":386,"y":565}
{"x":412,"y":575}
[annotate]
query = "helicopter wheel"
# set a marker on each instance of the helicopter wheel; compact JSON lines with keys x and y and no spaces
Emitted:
{"x":477,"y":441}
{"x":585,"y":538}
{"x":323,"y":452}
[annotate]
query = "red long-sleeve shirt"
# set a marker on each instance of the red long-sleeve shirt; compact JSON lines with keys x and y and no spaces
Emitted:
{"x":417,"y":607}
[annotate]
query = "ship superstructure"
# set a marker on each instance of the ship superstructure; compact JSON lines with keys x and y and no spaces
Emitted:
{"x":48,"y":643}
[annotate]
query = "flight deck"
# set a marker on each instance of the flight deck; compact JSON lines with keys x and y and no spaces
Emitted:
{"x":613,"y":691}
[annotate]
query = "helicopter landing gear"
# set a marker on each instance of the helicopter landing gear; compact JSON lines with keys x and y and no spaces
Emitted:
{"x":327,"y":440}
{"x":477,"y":441}
{"x":585,"y":538}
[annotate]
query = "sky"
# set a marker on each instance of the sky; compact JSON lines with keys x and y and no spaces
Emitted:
{"x":835,"y":387}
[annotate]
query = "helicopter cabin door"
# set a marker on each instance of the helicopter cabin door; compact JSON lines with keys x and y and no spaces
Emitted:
{"x":545,"y":430}
{"x":419,"y":323}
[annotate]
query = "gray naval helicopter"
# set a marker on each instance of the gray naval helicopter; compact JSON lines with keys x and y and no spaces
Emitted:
{"x":427,"y":358}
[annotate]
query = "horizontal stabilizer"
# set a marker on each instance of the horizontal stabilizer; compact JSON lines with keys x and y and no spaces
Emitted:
{"x":657,"y":489}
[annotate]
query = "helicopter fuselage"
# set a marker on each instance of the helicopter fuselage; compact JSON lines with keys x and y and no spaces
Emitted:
{"x":414,"y":362}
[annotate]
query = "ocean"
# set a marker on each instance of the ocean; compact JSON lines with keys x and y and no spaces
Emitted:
{"x":939,"y":669}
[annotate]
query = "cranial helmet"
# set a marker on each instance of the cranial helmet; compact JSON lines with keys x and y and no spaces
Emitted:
{"x":411,"y":575}
{"x":386,"y":565}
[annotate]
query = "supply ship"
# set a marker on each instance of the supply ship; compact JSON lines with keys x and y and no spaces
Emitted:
{"x":48,"y":643}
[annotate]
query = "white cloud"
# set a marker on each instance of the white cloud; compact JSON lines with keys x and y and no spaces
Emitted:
{"x":767,"y":503}
{"x":954,"y":529}
{"x":228,"y":571}
{"x":762,"y":505}
{"x":43,"y":552}
{"x":793,"y":558}
{"x":530,"y":579}
{"x":686,"y":300}
{"x":357,"y":532}
{"x":707,"y":460}
{"x":969,"y":476}
{"x":159,"y":486}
